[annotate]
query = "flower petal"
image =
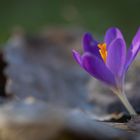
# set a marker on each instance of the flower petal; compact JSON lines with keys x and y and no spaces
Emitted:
{"x":133,"y":50}
{"x":96,"y":67}
{"x":90,"y":45}
{"x":76,"y":56}
{"x":116,"y":57}
{"x":112,"y":34}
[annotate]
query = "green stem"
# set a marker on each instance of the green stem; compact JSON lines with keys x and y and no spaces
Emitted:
{"x":124,"y":100}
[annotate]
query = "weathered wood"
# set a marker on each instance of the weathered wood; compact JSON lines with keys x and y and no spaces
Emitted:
{"x":134,"y":124}
{"x":33,"y":120}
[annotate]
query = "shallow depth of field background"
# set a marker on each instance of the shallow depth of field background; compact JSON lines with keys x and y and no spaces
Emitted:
{"x":93,"y":15}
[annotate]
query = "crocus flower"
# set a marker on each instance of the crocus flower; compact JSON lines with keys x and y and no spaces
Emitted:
{"x":108,"y":61}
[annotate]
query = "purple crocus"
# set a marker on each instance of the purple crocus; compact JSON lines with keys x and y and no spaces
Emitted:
{"x":108,"y":61}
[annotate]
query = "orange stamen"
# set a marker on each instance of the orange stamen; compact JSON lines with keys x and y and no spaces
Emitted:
{"x":103,"y":51}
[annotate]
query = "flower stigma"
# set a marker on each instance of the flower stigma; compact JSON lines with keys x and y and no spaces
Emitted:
{"x":103,"y":51}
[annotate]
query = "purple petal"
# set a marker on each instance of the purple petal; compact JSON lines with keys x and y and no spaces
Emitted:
{"x":90,"y":45}
{"x":133,"y":50}
{"x":97,"y":68}
{"x":112,"y":34}
{"x":116,"y":57}
{"x":76,"y":56}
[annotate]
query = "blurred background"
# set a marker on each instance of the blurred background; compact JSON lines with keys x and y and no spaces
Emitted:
{"x":93,"y":15}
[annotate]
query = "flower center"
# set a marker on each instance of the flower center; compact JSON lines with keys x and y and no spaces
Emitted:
{"x":103,"y":51}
